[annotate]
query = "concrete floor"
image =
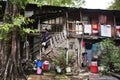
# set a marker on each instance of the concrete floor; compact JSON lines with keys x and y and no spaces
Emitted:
{"x":83,"y":76}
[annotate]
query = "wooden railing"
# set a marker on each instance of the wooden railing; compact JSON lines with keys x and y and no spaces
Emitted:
{"x":55,"y":40}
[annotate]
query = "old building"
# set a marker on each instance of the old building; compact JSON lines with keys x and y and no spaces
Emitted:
{"x":69,"y":27}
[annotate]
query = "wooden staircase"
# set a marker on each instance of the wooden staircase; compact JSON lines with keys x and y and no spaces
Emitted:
{"x":54,"y":43}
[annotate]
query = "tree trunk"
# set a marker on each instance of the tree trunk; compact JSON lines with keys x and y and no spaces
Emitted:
{"x":12,"y":68}
{"x":5,"y":44}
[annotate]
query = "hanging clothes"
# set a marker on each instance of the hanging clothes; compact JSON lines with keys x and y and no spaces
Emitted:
{"x":89,"y":55}
{"x":26,"y":49}
{"x":94,"y":22}
{"x":87,"y":29}
{"x":26,"y":44}
{"x":102,"y":19}
{"x":106,"y":30}
{"x":95,"y":29}
{"x":83,"y":47}
{"x":83,"y":44}
{"x":95,"y":47}
{"x":94,"y":50}
{"x":79,"y":29}
{"x":88,"y":50}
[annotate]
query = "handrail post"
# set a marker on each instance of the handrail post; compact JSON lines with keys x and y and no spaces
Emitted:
{"x":51,"y":44}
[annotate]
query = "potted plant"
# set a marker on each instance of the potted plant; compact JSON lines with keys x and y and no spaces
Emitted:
{"x":56,"y":63}
{"x":71,"y":60}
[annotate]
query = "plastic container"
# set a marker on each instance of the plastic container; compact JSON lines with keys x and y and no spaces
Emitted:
{"x":46,"y":65}
{"x":94,"y":67}
{"x":39,"y":70}
{"x":39,"y":63}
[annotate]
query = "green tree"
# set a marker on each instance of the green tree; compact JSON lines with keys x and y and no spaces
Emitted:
{"x":115,"y":5}
{"x":10,"y":32}
{"x":78,"y":3}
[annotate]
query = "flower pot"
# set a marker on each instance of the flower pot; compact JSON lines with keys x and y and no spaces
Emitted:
{"x":68,"y":69}
{"x":58,"y":69}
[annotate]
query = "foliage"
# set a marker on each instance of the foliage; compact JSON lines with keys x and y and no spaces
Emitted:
{"x":61,"y":60}
{"x":19,"y":22}
{"x":71,"y":59}
{"x":55,"y":62}
{"x":69,"y":3}
{"x":50,"y":2}
{"x":115,"y":5}
{"x":78,"y":3}
{"x":110,"y":54}
{"x":20,"y":3}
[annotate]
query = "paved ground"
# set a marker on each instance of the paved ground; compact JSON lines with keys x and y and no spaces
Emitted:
{"x":81,"y":76}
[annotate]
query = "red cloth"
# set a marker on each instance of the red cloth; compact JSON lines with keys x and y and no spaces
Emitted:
{"x":95,"y":27}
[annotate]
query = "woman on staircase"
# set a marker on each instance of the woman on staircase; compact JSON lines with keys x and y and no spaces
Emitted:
{"x":45,"y":38}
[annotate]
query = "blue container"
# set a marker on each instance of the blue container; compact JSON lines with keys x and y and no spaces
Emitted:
{"x":39,"y":63}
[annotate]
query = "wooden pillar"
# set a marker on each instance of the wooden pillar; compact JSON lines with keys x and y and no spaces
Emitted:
{"x":40,"y":54}
{"x":67,"y":38}
{"x":115,"y":26}
{"x":78,"y":52}
{"x":39,"y":27}
{"x":67,"y":53}
{"x":81,"y":40}
{"x":67,"y":27}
